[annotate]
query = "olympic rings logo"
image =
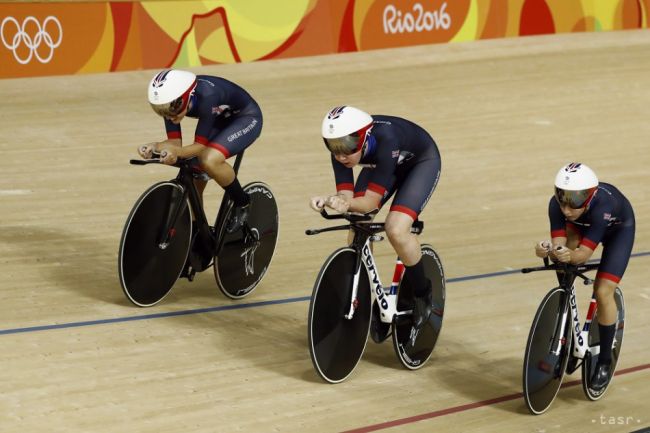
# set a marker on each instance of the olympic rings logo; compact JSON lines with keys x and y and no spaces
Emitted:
{"x":32,"y":43}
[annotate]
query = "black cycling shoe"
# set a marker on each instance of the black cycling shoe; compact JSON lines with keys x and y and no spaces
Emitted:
{"x":601,"y":377}
{"x":422,"y":309}
{"x":238,"y":216}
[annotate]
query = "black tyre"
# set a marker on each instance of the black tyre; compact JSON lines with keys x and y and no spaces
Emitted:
{"x":414,"y":347}
{"x":589,"y":364}
{"x":544,"y":370}
{"x":147,"y":269}
{"x":245,"y":255}
{"x":336,"y":343}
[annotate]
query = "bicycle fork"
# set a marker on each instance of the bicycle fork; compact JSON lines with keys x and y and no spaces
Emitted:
{"x":354,"y":299}
{"x":175,"y":207}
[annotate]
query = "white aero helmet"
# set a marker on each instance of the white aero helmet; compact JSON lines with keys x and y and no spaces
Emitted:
{"x":169,"y":91}
{"x":575,"y":185}
{"x":345,"y":129}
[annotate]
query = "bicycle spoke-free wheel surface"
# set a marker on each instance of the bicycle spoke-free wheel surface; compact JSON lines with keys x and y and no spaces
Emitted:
{"x":246,"y":254}
{"x":336,"y":343}
{"x":589,"y":364}
{"x":543,"y":370}
{"x":414,"y":347}
{"x":147,"y":269}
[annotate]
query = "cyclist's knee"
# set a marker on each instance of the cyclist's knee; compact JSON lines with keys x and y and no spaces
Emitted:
{"x":396,"y":230}
{"x":604,"y":289}
{"x":398,"y":223}
{"x":211,"y":157}
{"x":396,"y":237}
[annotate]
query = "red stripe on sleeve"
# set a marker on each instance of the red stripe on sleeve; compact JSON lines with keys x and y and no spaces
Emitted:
{"x":589,"y":243}
{"x":558,"y":233}
{"x":376,"y":188}
{"x":345,"y":187}
{"x":174,"y":134}
{"x":200,"y":139}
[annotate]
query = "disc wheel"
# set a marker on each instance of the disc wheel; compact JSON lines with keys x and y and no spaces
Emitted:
{"x":148,"y":268}
{"x":543,"y":370}
{"x":412,"y":346}
{"x":335,"y":342}
{"x":246,"y":254}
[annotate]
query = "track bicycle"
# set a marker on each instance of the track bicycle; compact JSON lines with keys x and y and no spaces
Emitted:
{"x":558,"y":343}
{"x":349,"y":302}
{"x":167,"y":236}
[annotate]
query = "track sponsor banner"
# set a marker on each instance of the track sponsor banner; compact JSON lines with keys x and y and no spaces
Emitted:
{"x":53,"y":38}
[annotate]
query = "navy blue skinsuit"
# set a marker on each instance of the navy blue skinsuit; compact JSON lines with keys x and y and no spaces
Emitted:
{"x":229,"y":118}
{"x":609,"y":219}
{"x":400,"y":157}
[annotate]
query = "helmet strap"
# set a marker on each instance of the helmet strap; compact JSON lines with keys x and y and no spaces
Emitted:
{"x":363,"y":136}
{"x":590,"y":198}
{"x":369,"y":145}
{"x":190,"y":102}
{"x":187,"y":96}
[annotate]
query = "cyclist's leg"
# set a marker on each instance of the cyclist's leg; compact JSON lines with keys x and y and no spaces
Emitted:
{"x":227,"y":140}
{"x":411,"y":198}
{"x":407,"y":246}
{"x":405,"y":243}
{"x":616,"y":255}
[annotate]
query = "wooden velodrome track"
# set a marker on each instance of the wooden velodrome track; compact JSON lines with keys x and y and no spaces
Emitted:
{"x":75,"y":355}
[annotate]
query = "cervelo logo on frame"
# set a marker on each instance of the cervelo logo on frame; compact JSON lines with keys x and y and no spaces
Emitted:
{"x":30,"y":34}
{"x":418,"y":20}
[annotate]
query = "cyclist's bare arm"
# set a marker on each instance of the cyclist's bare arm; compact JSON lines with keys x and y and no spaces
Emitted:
{"x":370,"y":201}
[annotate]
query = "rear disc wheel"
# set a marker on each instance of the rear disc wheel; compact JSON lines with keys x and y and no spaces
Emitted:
{"x":246,"y":254}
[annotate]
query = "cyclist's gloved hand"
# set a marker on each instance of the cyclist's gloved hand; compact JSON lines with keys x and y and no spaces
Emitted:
{"x":562,"y":254}
{"x":168,"y":156}
{"x":147,"y":150}
{"x":317,"y":203}
{"x":337,"y":203}
{"x":542,"y":249}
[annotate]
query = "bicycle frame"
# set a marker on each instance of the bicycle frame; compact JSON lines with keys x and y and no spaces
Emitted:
{"x":191,"y":194}
{"x":385,"y":299}
{"x":365,"y":233}
{"x":579,"y":333}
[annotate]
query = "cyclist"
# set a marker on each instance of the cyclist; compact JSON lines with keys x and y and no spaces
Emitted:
{"x":229,"y":120}
{"x":398,"y":157}
{"x":583,"y":213}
